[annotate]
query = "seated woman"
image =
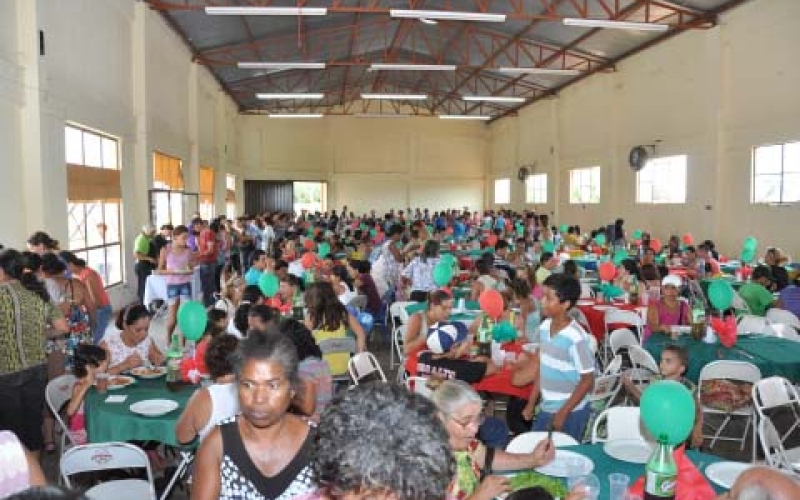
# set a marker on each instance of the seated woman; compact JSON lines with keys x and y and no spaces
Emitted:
{"x":651,"y":277}
{"x":461,"y":410}
{"x":327,"y":318}
{"x":626,"y":272}
{"x":265,"y":451}
{"x":211,"y":405}
{"x":669,"y":310}
{"x":316,"y":388}
{"x":342,"y":284}
{"x":132,"y":346}
{"x":485,"y":280}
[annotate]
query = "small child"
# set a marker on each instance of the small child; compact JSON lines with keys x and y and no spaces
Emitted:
{"x":566,"y":363}
{"x":674,"y":362}
{"x":89,"y":361}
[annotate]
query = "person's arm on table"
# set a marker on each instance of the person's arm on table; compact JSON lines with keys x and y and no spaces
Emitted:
{"x":206,"y":484}
{"x":155,"y":356}
{"x":543,"y":454}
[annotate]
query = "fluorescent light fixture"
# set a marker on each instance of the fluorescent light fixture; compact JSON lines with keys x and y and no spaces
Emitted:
{"x":396,"y":97}
{"x":446,"y":15}
{"x":620,"y":25}
{"x":429,"y":22}
{"x":465,"y":117}
{"x":295,"y":115}
{"x":280,"y":65}
{"x":412,"y":67}
{"x":265,"y":11}
{"x":493,"y":98}
{"x":381,"y":115}
{"x":541,"y":71}
{"x":272,"y":97}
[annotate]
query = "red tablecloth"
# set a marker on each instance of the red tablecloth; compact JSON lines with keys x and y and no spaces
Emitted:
{"x":595,"y":316}
{"x":497,"y":383}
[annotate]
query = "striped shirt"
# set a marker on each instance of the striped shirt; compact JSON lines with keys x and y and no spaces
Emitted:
{"x":564,"y":357}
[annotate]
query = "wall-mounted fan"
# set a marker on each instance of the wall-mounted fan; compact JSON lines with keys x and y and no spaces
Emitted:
{"x":640,"y":155}
{"x":523,"y":173}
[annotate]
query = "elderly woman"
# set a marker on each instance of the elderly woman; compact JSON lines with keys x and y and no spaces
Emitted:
{"x":265,"y":451}
{"x":461,"y":410}
{"x":669,"y":310}
{"x":132,"y":346}
{"x":402,"y":447}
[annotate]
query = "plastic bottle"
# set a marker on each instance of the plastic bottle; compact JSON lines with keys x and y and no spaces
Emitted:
{"x":174,"y":358}
{"x":698,"y":319}
{"x":633,"y":292}
{"x":485,"y":336}
{"x":661,"y":474}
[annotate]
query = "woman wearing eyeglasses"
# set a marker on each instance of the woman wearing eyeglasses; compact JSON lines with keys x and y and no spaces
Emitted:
{"x":461,"y":410}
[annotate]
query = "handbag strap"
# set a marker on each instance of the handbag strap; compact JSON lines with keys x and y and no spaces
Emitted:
{"x":17,"y":323}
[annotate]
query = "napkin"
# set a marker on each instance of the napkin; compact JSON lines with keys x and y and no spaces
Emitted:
{"x":725,"y":330}
{"x":116,"y":398}
{"x":692,"y":484}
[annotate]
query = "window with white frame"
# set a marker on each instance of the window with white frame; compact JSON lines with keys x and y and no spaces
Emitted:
{"x":536,"y":188}
{"x":584,"y":185}
{"x":502,"y":191}
{"x":662,"y":180}
{"x":230,"y":196}
{"x":94,"y":201}
{"x":776,"y":173}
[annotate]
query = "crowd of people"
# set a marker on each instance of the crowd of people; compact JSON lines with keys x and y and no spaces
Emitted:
{"x":269,"y":422}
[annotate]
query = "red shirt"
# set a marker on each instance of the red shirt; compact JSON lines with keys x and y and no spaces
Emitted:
{"x":207,"y":239}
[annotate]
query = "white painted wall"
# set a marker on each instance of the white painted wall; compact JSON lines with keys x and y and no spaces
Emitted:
{"x":711,"y":94}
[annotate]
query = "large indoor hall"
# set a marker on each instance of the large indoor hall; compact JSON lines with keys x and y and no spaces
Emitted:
{"x":399,"y":250}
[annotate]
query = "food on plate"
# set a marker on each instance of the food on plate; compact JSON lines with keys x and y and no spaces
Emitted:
{"x":119,"y":380}
{"x":143,"y":371}
{"x":531,"y":479}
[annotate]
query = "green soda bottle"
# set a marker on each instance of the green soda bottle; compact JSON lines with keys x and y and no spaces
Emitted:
{"x":661,"y":474}
{"x":174,"y":358}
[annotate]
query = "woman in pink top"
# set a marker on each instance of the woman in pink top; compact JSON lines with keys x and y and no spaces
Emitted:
{"x":668,"y":311}
{"x":176,"y":263}
{"x":97,"y":291}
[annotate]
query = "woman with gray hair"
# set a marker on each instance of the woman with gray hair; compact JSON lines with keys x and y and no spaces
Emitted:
{"x":461,"y":410}
{"x":265,"y":451}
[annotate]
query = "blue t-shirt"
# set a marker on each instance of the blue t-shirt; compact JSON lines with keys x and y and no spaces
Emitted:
{"x":252,"y":276}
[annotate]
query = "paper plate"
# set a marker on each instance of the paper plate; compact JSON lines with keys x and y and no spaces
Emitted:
{"x":585,"y":302}
{"x":119,"y":381}
{"x":558,"y":467}
{"x":154,"y":407}
{"x":725,"y":473}
{"x":629,"y":450}
{"x":148,"y":373}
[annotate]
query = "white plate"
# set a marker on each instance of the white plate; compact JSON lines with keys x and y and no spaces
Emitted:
{"x":155,"y":372}
{"x":629,"y":450}
{"x":154,"y":407}
{"x":119,"y":382}
{"x":725,"y":473}
{"x":585,"y":302}
{"x":558,"y":467}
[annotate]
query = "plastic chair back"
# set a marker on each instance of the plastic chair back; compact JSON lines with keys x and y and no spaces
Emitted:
{"x":362,"y":365}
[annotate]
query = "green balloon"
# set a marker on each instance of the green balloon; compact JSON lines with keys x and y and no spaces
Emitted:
{"x":637,"y":235}
{"x":269,"y":284}
{"x":720,"y":294}
{"x":362,"y":226}
{"x":504,"y":331}
{"x":668,"y":410}
{"x":430,"y":229}
{"x":750,"y":243}
{"x":619,"y":256}
{"x":564,"y":228}
{"x":748,"y":255}
{"x":600,"y":239}
{"x":310,"y":231}
{"x":447,"y":258}
{"x":442,"y":274}
{"x":324,"y":249}
{"x":192,"y":320}
{"x":549,"y":246}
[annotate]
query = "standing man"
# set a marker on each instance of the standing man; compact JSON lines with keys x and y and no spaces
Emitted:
{"x":144,"y":250}
{"x":207,"y":250}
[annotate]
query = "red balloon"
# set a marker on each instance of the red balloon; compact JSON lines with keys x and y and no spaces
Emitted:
{"x":491,"y":303}
{"x":688,"y":239}
{"x":449,"y":230}
{"x":308,"y":260}
{"x":607,"y":271}
{"x":492,"y":240}
{"x":655,"y":244}
{"x":308,"y":244}
{"x":200,"y":357}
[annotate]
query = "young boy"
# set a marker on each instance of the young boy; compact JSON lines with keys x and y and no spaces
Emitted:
{"x":566,"y":363}
{"x":674,"y":362}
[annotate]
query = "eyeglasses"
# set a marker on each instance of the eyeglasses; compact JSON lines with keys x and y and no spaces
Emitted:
{"x":477,"y":421}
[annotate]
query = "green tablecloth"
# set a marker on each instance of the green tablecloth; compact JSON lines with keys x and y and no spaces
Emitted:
{"x":706,"y":282}
{"x":462,"y":293}
{"x":605,"y":465}
{"x":772,"y":355}
{"x":115,"y":422}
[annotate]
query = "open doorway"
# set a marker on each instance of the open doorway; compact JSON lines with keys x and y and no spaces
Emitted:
{"x":310,"y":196}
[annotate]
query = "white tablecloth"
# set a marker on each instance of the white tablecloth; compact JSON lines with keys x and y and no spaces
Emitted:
{"x":155,"y":288}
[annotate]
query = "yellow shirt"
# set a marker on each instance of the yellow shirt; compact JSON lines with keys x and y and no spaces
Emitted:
{"x":337,"y":362}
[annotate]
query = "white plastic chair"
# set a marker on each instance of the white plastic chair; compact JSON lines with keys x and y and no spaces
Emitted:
{"x":338,"y":346}
{"x":527,"y":441}
{"x":57,"y":393}
{"x":622,"y":338}
{"x":398,"y":316}
{"x":630,"y":319}
{"x":774,"y":392}
{"x":775,"y":454}
{"x":643,"y":366}
{"x":622,"y":422}
{"x":783,"y":316}
{"x":110,"y":456}
{"x":748,"y":323}
{"x":785,"y":332}
{"x":398,"y":339}
{"x":363,"y":365}
{"x":418,"y":385}
{"x":731,"y":370}
{"x":586,"y":291}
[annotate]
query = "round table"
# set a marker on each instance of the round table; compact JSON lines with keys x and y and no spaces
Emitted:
{"x":107,"y":421}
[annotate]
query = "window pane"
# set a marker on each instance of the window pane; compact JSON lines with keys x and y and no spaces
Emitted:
{"x":110,"y":153}
{"x":767,"y":189}
{"x":176,"y":208}
{"x":112,"y":232}
{"x":113,"y":264}
{"x":73,"y":144}
{"x":76,"y":227}
{"x":502,"y":191}
{"x":791,"y":188}
{"x":230,"y":182}
{"x":96,"y":259}
{"x":230,"y":210}
{"x":94,"y":219}
{"x":791,"y":157}
{"x":92,"y":150}
{"x":768,"y":159}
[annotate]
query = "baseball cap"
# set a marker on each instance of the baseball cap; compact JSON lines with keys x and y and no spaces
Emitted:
{"x":672,"y":280}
